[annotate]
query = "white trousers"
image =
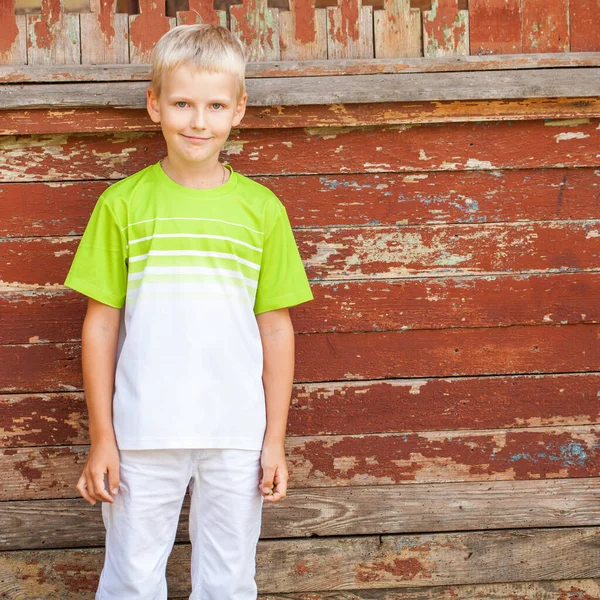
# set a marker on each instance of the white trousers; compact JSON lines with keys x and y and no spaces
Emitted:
{"x":224,"y":525}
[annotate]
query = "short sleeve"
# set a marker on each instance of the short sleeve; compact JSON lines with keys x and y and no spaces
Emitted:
{"x":282,"y":280}
{"x":99,"y":268}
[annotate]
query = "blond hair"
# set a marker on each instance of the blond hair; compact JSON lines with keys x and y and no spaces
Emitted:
{"x":202,"y":47}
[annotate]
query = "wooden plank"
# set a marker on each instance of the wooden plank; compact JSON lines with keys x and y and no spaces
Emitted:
{"x":584,"y":16}
{"x":394,"y":148}
{"x":361,"y":356}
{"x":146,"y":28}
{"x":545,"y":26}
{"x":495,"y":27}
{"x":312,"y":68}
{"x":445,"y":29}
{"x":342,"y":254}
{"x":104,"y":34}
{"x":257,"y":26}
{"x":544,"y":83}
{"x":201,"y":12}
{"x":397,"y":30}
{"x":357,"y":200}
{"x":42,"y":524}
{"x":13,"y":41}
{"x":501,"y":402}
{"x":111,"y":120}
{"x":42,"y":315}
{"x":350,"y":31}
{"x":303,"y":32}
{"x":372,"y":562}
{"x":361,"y":460}
{"x":53,"y":37}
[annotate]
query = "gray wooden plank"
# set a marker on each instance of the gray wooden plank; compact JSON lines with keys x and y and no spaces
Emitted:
{"x":294,"y":68}
{"x":399,"y":87}
{"x":342,"y":563}
{"x":39,"y":524}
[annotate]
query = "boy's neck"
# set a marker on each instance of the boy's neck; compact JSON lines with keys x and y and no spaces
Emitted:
{"x":211,"y":176}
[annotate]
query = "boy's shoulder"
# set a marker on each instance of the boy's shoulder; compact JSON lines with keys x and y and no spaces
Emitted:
{"x":260,"y":194}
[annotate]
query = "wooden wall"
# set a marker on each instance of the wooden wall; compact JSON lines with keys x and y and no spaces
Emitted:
{"x":321,"y":29}
{"x":444,"y":433}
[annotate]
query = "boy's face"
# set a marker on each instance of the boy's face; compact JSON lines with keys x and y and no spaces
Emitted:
{"x":196,"y":110}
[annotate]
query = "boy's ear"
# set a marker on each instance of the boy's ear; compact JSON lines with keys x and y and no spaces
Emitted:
{"x":240,"y":111}
{"x":152,"y":105}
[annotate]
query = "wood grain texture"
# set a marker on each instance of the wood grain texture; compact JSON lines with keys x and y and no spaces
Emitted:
{"x":396,"y":148}
{"x":104,"y":34}
{"x":303,"y":32}
{"x":445,"y":29}
{"x":257,"y":26}
{"x":13,"y":41}
{"x":370,"y":562}
{"x":376,"y":252}
{"x":362,"y":356}
{"x":356,"y":407}
{"x":42,"y":315}
{"x":359,"y":200}
{"x":111,"y":120}
{"x":320,"y":512}
{"x":333,"y":89}
{"x":312,"y":68}
{"x":361,"y":460}
{"x":53,"y":36}
{"x":397,"y":30}
{"x":350,"y":30}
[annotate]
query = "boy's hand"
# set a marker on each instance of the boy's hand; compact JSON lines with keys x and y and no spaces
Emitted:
{"x":102,"y":460}
{"x":273,"y":483}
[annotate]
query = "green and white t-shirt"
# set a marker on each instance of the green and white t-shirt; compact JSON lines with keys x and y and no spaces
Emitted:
{"x":191,"y":270}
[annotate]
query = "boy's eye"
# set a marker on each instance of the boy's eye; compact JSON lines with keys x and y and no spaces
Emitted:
{"x":180,"y":103}
{"x":216,"y":104}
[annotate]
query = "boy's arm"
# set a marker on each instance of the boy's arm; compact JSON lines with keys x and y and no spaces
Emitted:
{"x":277,"y":335}
{"x":99,"y":340}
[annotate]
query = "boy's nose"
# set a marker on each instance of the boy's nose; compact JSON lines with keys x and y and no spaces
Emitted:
{"x":198,"y":119}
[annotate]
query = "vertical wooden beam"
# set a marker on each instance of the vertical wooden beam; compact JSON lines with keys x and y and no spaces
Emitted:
{"x":350,"y":30}
{"x":257,"y":26}
{"x":585,"y":25}
{"x":104,"y":34}
{"x":495,"y":26}
{"x":445,"y":29}
{"x":397,"y":30}
{"x":303,"y":31}
{"x":53,"y":37}
{"x":146,"y":29}
{"x":545,"y":25}
{"x":202,"y":11}
{"x":13,"y":40}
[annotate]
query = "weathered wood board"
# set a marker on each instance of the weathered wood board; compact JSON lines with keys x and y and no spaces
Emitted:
{"x":369,"y":562}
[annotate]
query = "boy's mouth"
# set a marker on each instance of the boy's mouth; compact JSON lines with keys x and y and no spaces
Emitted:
{"x":196,"y":139}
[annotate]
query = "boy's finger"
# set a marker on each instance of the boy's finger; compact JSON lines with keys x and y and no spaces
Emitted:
{"x":100,"y":492}
{"x":82,"y":489}
{"x":113,"y":480}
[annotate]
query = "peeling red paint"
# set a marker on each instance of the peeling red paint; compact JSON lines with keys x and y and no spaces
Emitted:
{"x":300,"y":569}
{"x":403,"y":569}
{"x":305,"y":31}
{"x":200,"y":12}
{"x":10,"y":30}
{"x":44,"y":28}
{"x":349,"y":14}
{"x":105,"y":19}
{"x":149,"y":26}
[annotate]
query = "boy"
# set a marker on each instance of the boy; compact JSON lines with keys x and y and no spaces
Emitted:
{"x":203,"y":262}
